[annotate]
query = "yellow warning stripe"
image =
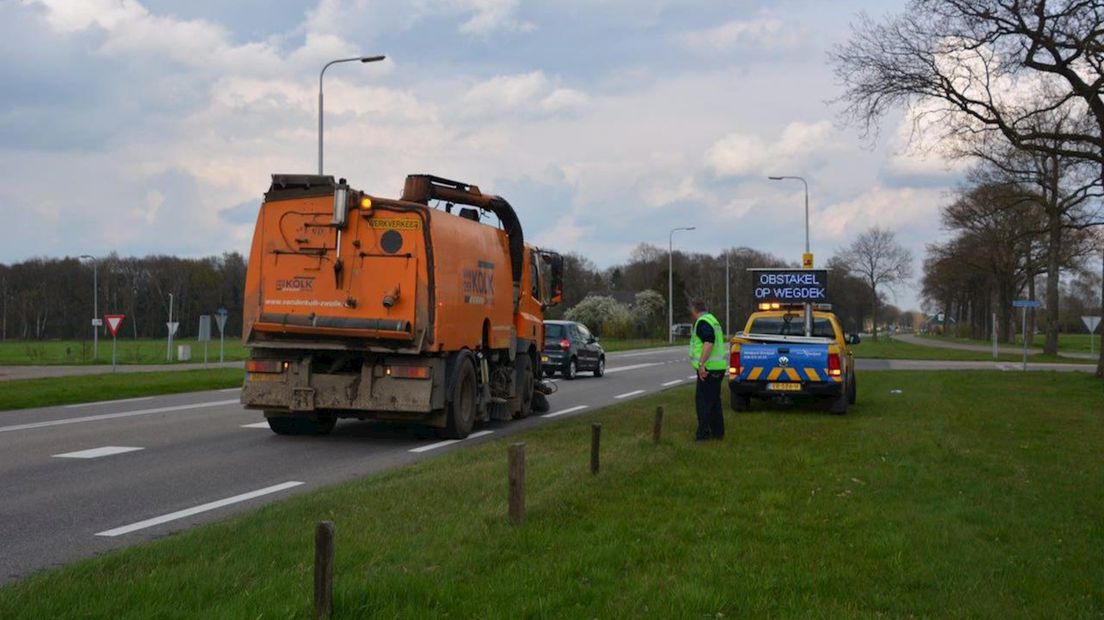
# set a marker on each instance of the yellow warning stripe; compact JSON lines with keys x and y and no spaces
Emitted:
{"x":755,"y":372}
{"x":774,"y":374}
{"x":813,"y":376}
{"x":792,"y":374}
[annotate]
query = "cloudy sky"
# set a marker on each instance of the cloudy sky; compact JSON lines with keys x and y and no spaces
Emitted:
{"x":152,"y":126}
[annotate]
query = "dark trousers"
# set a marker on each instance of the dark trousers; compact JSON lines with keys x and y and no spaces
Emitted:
{"x":707,"y":399}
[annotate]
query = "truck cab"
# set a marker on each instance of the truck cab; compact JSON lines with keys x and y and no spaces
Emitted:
{"x":773,"y":359}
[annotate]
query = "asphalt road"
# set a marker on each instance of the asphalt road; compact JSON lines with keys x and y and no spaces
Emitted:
{"x":83,"y":479}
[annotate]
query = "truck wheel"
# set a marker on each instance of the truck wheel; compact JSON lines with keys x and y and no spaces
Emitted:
{"x":852,"y":392}
{"x":600,"y":369}
{"x":540,"y":403}
{"x":741,"y":403}
{"x":571,"y":370}
{"x":300,"y":425}
{"x":838,"y":405}
{"x":461,"y":407}
{"x":526,"y":382}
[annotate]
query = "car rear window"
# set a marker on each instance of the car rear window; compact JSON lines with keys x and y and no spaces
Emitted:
{"x":779,"y":326}
{"x":553,"y":331}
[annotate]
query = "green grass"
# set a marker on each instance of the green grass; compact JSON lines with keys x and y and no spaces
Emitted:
{"x":887,"y":348}
{"x":1067,"y":343}
{"x":612,"y":345}
{"x":130,"y":351}
{"x":968,"y":494}
{"x":23,"y":393}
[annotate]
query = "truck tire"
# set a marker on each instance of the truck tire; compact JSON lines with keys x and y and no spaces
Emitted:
{"x":300,"y":425}
{"x":460,"y":416}
{"x":838,"y":405}
{"x":600,"y":369}
{"x":526,"y":383}
{"x":571,"y":370}
{"x":852,"y":392}
{"x":540,"y":403}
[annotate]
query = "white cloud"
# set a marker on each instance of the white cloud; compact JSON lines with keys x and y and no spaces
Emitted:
{"x":738,"y":154}
{"x":761,"y":33}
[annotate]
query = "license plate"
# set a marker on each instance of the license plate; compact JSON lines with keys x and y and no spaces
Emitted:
{"x":544,"y":358}
{"x":784,"y":387}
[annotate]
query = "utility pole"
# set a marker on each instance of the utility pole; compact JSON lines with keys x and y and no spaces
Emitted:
{"x":671,"y":284}
{"x":320,"y":75}
{"x":728,"y":316}
{"x":96,"y":320}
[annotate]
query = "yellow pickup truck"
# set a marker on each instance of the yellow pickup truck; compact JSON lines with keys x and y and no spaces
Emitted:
{"x":773,"y":359}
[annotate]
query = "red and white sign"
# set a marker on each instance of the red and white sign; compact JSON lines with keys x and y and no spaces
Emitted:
{"x":113,"y":323}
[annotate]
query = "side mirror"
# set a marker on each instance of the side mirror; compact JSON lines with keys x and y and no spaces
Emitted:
{"x":853,"y":339}
{"x":592,"y":339}
{"x":557,"y":279}
{"x":341,"y":204}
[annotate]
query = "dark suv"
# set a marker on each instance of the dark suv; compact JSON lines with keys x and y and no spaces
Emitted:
{"x":569,"y":347}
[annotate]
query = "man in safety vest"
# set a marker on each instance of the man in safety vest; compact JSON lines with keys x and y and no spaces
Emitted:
{"x":708,"y":358}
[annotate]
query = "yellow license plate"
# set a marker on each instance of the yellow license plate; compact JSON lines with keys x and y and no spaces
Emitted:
{"x":544,"y":358}
{"x":784,"y":387}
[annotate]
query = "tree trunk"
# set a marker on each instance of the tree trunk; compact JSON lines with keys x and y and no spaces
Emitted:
{"x":1100,"y":349}
{"x":1053,"y":256}
{"x":1032,"y":317}
{"x":874,"y":314}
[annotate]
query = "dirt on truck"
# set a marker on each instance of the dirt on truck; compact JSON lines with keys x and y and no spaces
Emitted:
{"x":358,"y":306}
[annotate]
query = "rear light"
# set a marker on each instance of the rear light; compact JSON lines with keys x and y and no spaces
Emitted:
{"x":266,"y":366}
{"x":408,"y":372}
{"x":734,"y":363}
{"x":565,"y":344}
{"x":834,"y":364}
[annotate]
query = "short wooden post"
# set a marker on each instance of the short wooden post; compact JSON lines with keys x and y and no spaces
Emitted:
{"x":595,"y":441}
{"x":517,"y":483}
{"x":323,"y":569}
{"x":657,"y":431}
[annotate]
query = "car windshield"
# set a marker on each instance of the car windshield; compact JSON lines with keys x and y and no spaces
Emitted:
{"x":790,"y":325}
{"x":553,"y":331}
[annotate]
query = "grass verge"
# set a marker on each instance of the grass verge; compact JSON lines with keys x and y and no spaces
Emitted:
{"x":129,"y":351}
{"x":966,"y":494}
{"x":1067,"y":343}
{"x":24,"y":393}
{"x":612,"y":345}
{"x":888,"y":348}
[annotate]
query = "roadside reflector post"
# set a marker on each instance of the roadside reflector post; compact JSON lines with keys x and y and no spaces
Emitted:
{"x":595,"y":442}
{"x":323,"y":569}
{"x":517,"y":483}
{"x":657,"y":431}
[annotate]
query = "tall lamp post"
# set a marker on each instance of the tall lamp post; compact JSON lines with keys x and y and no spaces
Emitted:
{"x":807,"y":259}
{"x":95,"y":305}
{"x":322,"y":73}
{"x":671,"y":284}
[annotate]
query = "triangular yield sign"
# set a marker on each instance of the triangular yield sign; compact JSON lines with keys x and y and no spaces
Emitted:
{"x":113,"y":323}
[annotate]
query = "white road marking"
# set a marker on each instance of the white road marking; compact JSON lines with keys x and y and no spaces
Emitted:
{"x":639,"y":354}
{"x":187,"y":512}
{"x":670,"y":383}
{"x":628,"y":394}
{"x":109,"y":416}
{"x":108,"y":402}
{"x":565,"y":411}
{"x":632,"y":367}
{"x":256,"y":425}
{"x":96,"y":453}
{"x":237,"y":389}
{"x":449,"y":442}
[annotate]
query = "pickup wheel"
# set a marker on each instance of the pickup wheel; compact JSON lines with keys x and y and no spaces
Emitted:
{"x":300,"y":425}
{"x":461,"y":407}
{"x":852,"y":392}
{"x":741,"y":403}
{"x":838,"y":405}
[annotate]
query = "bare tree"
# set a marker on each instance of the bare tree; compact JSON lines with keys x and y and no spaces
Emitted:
{"x":877,"y":258}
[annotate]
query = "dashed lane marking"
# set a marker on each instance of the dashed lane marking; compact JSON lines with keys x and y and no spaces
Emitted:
{"x":449,"y":442}
{"x":670,"y":383}
{"x":96,"y":453}
{"x":108,"y":402}
{"x":610,"y":371}
{"x":628,"y":394}
{"x":256,"y":425}
{"x":565,"y":411}
{"x":187,"y":512}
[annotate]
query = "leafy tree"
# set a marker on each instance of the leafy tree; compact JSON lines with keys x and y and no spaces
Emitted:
{"x":877,"y":258}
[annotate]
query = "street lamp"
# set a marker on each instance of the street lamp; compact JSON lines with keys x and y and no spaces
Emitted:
{"x":807,"y":259}
{"x":671,"y":284}
{"x":322,"y":73}
{"x":95,"y":305}
{"x":806,"y":184}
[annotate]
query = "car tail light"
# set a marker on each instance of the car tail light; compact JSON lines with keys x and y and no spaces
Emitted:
{"x":266,"y":366}
{"x":565,"y":344}
{"x":834,"y":364}
{"x":734,"y":363}
{"x":408,"y":372}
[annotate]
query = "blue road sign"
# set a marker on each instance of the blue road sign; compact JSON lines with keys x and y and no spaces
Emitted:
{"x":1026,"y":303}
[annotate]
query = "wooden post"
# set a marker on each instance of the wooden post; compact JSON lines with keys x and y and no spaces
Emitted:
{"x":323,"y":569}
{"x":517,"y":483}
{"x":595,"y":441}
{"x":657,"y":431}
